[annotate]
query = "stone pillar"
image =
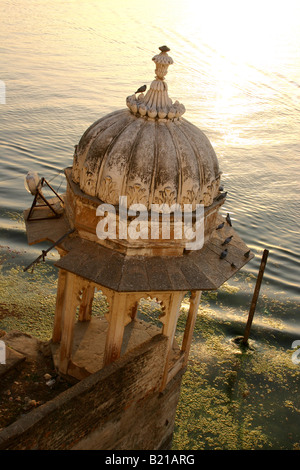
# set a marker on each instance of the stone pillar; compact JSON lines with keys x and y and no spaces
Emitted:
{"x":85,"y":309}
{"x":70,"y":303}
{"x":190,"y":323}
{"x":56,"y":335}
{"x":117,"y":320}
{"x":134,"y":310}
{"x":169,"y":328}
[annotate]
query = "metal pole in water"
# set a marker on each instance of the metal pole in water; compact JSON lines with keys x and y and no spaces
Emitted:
{"x":255,"y":296}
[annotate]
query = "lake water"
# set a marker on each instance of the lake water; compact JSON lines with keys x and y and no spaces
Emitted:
{"x":237,"y":71}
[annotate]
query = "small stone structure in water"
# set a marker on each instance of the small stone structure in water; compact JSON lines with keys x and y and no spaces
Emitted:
{"x":150,"y":157}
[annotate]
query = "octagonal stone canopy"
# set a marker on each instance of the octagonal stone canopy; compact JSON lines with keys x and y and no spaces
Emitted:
{"x":196,"y":270}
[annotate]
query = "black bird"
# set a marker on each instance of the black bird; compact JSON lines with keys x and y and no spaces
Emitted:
{"x":228,"y":220}
{"x":227,"y":240}
{"x":221,"y":188}
{"x":247,"y":254}
{"x":141,"y":89}
{"x":223,"y":254}
{"x":233,"y":265}
{"x":220,"y":226}
{"x":221,"y":196}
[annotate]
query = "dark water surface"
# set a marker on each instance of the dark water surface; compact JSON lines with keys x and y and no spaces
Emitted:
{"x":237,"y":71}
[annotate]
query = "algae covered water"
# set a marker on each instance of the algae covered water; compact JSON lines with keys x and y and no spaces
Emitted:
{"x":237,"y":71}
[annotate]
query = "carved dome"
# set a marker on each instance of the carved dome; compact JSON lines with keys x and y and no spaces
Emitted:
{"x":149,"y":152}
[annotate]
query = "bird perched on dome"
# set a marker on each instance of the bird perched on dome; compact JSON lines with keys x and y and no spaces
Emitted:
{"x":141,"y":89}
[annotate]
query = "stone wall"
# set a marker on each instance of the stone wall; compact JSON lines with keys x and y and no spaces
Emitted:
{"x":119,"y":407}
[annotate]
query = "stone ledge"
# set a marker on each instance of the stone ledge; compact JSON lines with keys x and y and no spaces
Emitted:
{"x":55,"y":424}
{"x":13,"y":358}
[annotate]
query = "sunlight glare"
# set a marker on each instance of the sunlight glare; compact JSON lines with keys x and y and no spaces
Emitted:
{"x":245,"y":31}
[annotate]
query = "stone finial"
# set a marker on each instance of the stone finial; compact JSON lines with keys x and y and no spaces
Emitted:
{"x":156,"y":103}
{"x":162,"y":60}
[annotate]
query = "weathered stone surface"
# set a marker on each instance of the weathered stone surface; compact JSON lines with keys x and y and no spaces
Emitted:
{"x":50,"y":229}
{"x":12,"y":359}
{"x":194,"y":270}
{"x":118,"y":407}
{"x":89,"y":343}
{"x":148,"y":153}
{"x":182,"y":164}
{"x":23,"y":343}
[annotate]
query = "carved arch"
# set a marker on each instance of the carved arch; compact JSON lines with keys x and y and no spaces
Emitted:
{"x":162,"y":301}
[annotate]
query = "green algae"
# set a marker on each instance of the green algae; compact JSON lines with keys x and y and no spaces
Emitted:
{"x":234,"y":398}
{"x":28,"y":299}
{"x":100,"y":305}
{"x":150,"y":310}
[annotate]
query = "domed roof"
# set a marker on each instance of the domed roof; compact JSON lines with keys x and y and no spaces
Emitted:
{"x":149,"y":152}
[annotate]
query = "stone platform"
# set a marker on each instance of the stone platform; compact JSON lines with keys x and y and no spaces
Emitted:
{"x":89,"y":344}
